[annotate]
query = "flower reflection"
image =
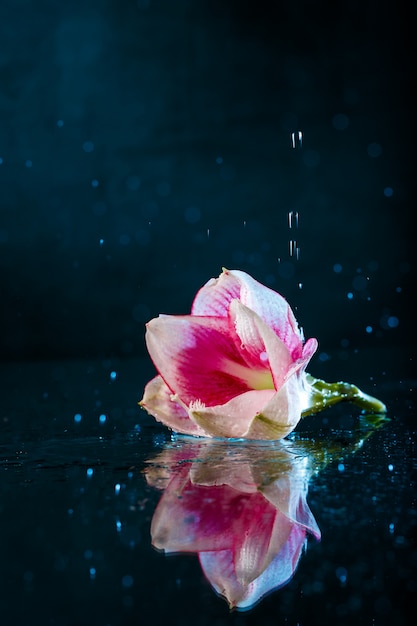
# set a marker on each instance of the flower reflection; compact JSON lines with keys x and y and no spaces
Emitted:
{"x":241,"y":507}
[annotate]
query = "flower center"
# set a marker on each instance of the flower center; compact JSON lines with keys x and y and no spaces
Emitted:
{"x":254,"y":378}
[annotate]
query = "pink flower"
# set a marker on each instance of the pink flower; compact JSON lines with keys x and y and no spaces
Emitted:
{"x":243,"y":511}
{"x":235,"y":367}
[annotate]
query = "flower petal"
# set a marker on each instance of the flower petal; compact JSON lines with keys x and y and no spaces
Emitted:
{"x":259,"y":342}
{"x":232,"y":419}
{"x":220,"y":569}
{"x":215,"y":297}
{"x":157,"y":400}
{"x":198,"y":358}
{"x":262,"y":414}
{"x":281,"y":414}
{"x":288,"y":494}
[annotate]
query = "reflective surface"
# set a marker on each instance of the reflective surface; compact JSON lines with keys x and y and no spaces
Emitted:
{"x":88,"y":482}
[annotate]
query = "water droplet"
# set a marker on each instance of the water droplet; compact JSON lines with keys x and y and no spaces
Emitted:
{"x":94,"y":183}
{"x":88,"y":146}
{"x":117,"y":488}
{"x":90,"y":472}
{"x":102,"y":419}
{"x":113,"y":375}
{"x":293,"y":247}
{"x":300,"y":285}
{"x":391,"y":528}
{"x":390,"y":467}
{"x":92,"y":572}
{"x":244,"y":223}
{"x":293,"y":219}
{"x":337,"y":268}
{"x":101,"y":242}
{"x":60,"y":123}
{"x":127,"y":581}
{"x":297,"y":139}
{"x":388,"y":192}
{"x":350,"y":296}
{"x":341,"y":467}
{"x":77,"y":418}
{"x":341,"y":573}
{"x":369,"y":329}
{"x":118,"y":526}
{"x":208,"y":233}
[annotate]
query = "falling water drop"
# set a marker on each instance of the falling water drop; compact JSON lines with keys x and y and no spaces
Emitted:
{"x":293,"y":248}
{"x":293,"y":219}
{"x":297,"y":139}
{"x":208,"y":233}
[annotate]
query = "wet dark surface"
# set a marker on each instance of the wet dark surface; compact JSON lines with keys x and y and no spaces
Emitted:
{"x":77,"y":501}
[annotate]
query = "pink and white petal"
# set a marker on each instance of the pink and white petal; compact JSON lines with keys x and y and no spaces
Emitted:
{"x":259,"y":344}
{"x":219,"y":569}
{"x":205,"y":517}
{"x":232,"y":419}
{"x":272,"y":308}
{"x":281,"y":414}
{"x":288,"y":494}
{"x":279,"y":571}
{"x":214,"y":298}
{"x":197,"y":358}
{"x":309,"y":349}
{"x":157,"y":400}
{"x":299,"y":366}
{"x":260,"y":544}
{"x":199,"y":524}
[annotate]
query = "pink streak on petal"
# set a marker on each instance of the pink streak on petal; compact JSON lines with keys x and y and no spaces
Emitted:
{"x":157,"y":401}
{"x":206,"y":518}
{"x":195,"y":357}
{"x":309,"y":349}
{"x":214,"y":298}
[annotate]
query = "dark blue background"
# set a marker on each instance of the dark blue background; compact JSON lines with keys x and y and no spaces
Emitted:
{"x":163,"y":128}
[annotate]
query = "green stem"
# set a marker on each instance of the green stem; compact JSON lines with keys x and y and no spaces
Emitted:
{"x":325,"y":394}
